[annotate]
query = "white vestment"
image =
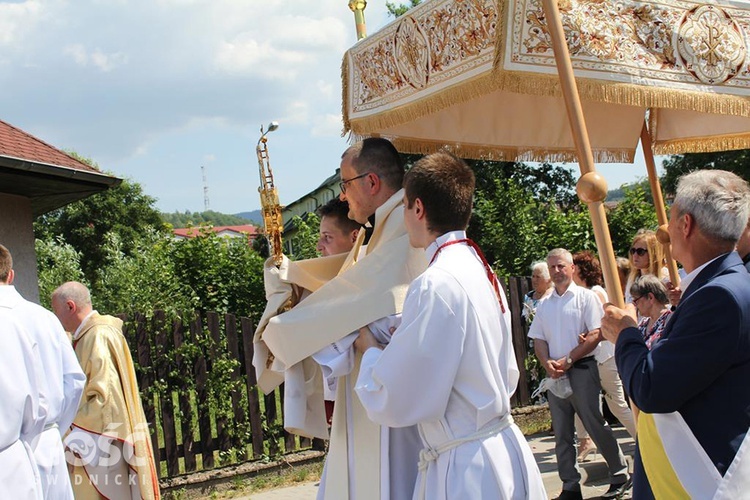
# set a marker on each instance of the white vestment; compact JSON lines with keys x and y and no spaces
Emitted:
{"x":451,"y":369}
{"x":22,"y":411}
{"x":371,"y":285}
{"x":63,"y":389}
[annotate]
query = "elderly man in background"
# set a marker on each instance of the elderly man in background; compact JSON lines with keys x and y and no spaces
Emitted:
{"x":743,"y":246}
{"x":691,"y":386}
{"x":569,"y":311}
{"x":110,"y":437}
{"x":62,"y":377}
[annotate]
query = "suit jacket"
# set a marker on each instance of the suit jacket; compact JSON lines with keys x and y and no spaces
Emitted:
{"x":701,"y":365}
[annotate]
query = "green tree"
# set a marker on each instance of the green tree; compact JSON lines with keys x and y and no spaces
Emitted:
{"x":737,"y":161}
{"x":85,"y":224}
{"x":512,"y":203}
{"x":569,"y":228}
{"x":636,"y":211}
{"x":142,"y":281}
{"x":188,"y":219}
{"x":397,"y":10}
{"x":222,"y":274}
{"x":505,"y":225}
{"x":57,"y":263}
{"x":305,"y":241}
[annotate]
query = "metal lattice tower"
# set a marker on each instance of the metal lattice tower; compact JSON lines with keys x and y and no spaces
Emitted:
{"x":205,"y":189}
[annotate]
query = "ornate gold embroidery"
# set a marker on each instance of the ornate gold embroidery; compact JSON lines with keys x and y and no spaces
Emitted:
{"x":412,"y":53}
{"x":710,"y":44}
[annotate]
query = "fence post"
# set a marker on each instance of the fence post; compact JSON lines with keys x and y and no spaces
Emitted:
{"x":143,"y":349}
{"x":240,"y":419}
{"x":186,"y":421}
{"x":518,"y":287}
{"x":253,"y":401}
{"x":204,"y":410}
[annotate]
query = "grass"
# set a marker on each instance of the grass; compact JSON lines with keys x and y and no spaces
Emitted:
{"x":281,"y":478}
{"x":531,"y":420}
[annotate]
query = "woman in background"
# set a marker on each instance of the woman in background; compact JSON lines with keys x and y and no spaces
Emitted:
{"x":541,"y":288}
{"x":650,"y":298}
{"x":646,"y":257}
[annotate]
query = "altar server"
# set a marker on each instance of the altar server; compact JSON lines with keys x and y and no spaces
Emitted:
{"x":63,"y":378}
{"x":450,"y":366}
{"x":22,"y":411}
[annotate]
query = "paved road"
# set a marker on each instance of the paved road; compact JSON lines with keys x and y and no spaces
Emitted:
{"x":594,"y":472}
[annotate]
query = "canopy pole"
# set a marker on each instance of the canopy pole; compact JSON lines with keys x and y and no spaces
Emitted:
{"x":661,"y":212}
{"x":591,"y":187}
{"x":358,"y":7}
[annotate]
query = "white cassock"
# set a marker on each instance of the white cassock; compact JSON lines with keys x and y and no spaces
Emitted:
{"x":451,"y":369}
{"x":22,"y":411}
{"x":64,"y":387}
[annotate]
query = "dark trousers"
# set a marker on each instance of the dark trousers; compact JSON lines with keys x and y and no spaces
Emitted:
{"x":584,"y":380}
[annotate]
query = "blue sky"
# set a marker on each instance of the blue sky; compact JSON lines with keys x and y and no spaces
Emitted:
{"x":152,"y":90}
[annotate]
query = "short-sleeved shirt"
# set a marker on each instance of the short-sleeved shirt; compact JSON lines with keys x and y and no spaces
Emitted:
{"x":561,"y":318}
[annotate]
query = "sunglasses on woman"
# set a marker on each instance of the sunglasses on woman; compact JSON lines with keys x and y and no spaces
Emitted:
{"x":640,"y":251}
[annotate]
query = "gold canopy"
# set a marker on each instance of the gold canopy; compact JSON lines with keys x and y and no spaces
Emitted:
{"x":479,"y":77}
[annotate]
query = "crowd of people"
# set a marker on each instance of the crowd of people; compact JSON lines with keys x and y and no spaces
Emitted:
{"x":396,"y":345}
{"x":426,"y":349}
{"x":73,"y":426}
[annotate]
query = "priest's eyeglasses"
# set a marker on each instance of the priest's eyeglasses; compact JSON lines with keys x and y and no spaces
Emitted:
{"x":343,"y":183}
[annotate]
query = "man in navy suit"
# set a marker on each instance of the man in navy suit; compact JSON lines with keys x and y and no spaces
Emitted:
{"x":692,"y":387}
{"x":743,"y":246}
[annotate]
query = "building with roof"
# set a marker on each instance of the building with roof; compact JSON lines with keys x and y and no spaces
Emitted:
{"x":244,"y":231}
{"x":36,"y":178}
{"x":308,"y":203}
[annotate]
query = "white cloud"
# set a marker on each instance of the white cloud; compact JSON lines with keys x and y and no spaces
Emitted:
{"x":328,"y":125}
{"x":296,"y":112}
{"x":327,"y":89}
{"x":149,"y":87}
{"x":16,"y":19}
{"x":97,"y":58}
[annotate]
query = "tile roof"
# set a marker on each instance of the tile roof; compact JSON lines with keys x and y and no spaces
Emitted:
{"x":192,"y":232}
{"x":16,"y":143}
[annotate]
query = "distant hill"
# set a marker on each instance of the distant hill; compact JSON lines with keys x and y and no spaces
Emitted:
{"x":255,"y":216}
{"x":187,"y":218}
{"x":619,"y":193}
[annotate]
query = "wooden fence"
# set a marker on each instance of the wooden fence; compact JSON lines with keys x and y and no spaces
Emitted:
{"x":200,"y":393}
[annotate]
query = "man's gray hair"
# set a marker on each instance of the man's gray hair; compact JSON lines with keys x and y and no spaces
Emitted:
{"x":75,"y":291}
{"x":718,"y":200}
{"x":542,"y":266}
{"x":561,"y":252}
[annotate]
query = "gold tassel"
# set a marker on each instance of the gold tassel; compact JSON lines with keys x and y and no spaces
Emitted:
{"x":702,"y":145}
{"x":498,"y":153}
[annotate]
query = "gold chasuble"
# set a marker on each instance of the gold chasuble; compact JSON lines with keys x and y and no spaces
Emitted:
{"x":371,"y":284}
{"x":110,"y":436}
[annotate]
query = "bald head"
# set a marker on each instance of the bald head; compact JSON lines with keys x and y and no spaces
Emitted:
{"x":71,"y":303}
{"x":6,"y":266}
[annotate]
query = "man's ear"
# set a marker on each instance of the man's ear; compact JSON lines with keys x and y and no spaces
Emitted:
{"x":353,"y":235}
{"x":375,"y":183}
{"x":687,"y":225}
{"x":11,"y":276}
{"x":419,"y":210}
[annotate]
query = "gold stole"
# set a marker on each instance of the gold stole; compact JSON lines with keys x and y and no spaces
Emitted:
{"x":111,"y":404}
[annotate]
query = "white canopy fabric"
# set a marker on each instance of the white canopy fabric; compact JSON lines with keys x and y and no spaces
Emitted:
{"x":479,"y":77}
